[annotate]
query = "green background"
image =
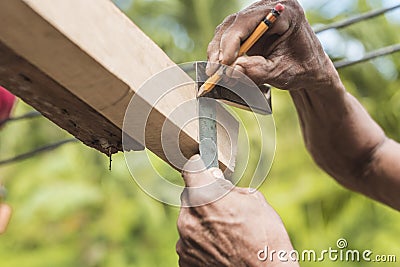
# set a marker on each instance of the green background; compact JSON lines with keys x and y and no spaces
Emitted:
{"x":69,"y":210}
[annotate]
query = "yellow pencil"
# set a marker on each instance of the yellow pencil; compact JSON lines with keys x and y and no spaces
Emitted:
{"x":245,"y":47}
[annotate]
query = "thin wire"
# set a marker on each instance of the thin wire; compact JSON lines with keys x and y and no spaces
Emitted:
{"x":37,"y":151}
{"x":356,"y":19}
{"x":371,"y":55}
{"x":29,"y":115}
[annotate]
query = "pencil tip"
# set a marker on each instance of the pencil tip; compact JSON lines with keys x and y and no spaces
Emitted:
{"x":201,"y":91}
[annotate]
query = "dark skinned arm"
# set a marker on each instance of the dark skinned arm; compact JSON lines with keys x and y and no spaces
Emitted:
{"x":340,"y":135}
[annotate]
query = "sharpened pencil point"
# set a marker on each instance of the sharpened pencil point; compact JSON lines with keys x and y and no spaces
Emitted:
{"x":205,"y":88}
{"x":201,"y":91}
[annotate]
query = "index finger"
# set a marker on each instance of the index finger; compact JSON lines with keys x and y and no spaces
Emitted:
{"x":213,"y":50}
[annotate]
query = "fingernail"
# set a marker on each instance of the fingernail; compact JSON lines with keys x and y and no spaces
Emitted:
{"x":217,"y":173}
{"x":229,"y":71}
{"x":237,"y":72}
{"x":195,"y":157}
{"x":252,"y":190}
{"x":236,"y":54}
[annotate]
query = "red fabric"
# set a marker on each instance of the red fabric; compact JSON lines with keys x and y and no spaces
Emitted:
{"x":7,"y":101}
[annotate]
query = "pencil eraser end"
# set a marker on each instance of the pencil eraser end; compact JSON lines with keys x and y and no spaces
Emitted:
{"x":279,"y":7}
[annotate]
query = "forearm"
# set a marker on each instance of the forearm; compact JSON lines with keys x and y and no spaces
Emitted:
{"x":344,"y":140}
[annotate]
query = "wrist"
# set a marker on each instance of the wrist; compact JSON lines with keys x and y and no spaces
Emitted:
{"x":326,"y":99}
{"x":323,"y":77}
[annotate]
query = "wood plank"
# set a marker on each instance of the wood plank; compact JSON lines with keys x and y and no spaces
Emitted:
{"x":80,"y":63}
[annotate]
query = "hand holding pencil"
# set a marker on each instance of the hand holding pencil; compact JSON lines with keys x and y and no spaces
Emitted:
{"x":288,"y":56}
{"x":245,"y":47}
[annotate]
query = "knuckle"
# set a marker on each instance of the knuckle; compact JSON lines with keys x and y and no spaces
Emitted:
{"x":204,"y":198}
{"x":198,"y":197}
{"x":181,"y":223}
{"x":227,"y":21}
{"x":231,"y":18}
{"x":186,"y":226}
{"x":212,"y":47}
{"x":179,"y":247}
{"x":218,"y":28}
{"x":225,"y":185}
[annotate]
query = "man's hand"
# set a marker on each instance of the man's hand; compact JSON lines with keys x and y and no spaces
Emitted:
{"x":288,"y":56}
{"x":229,"y":231}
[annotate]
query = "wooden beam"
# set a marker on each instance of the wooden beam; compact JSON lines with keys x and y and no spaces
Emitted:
{"x":80,"y":63}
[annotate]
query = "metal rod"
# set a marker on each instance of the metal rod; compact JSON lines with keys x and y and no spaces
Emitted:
{"x":207,"y":126}
{"x":371,"y":55}
{"x":356,"y":19}
{"x":208,"y":132}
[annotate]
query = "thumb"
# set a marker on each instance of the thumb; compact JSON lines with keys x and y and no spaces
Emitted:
{"x":195,"y":173}
{"x":203,"y":186}
{"x":259,"y":69}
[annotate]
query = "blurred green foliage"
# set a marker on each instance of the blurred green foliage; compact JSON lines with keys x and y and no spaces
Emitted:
{"x":71,"y":211}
